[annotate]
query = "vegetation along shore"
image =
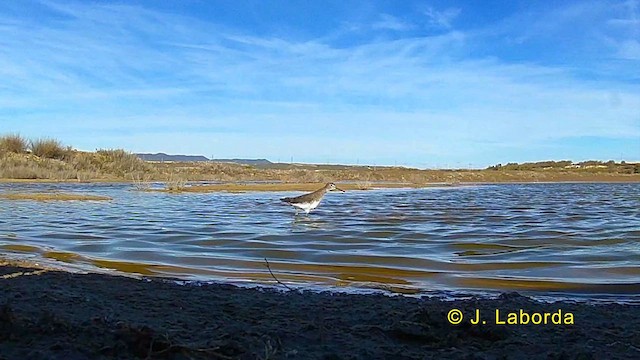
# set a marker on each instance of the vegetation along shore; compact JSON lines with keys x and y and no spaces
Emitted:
{"x":49,"y":160}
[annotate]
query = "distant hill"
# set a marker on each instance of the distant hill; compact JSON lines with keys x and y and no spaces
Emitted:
{"x":197,"y":158}
{"x":166,"y":157}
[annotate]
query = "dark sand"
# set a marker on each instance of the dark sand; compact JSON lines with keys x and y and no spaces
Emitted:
{"x":61,"y":315}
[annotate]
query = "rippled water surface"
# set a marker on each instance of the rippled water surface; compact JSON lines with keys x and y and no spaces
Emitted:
{"x":572,"y":238}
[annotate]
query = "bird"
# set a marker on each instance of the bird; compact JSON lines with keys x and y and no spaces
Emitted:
{"x":310,"y":201}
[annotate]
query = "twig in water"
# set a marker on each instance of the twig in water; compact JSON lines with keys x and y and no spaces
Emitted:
{"x":271,"y":272}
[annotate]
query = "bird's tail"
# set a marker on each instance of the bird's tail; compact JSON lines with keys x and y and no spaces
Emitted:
{"x":286,"y":200}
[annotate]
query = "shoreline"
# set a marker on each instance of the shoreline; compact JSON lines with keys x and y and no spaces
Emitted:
{"x":48,"y":313}
{"x":272,"y":280}
{"x":267,"y":186}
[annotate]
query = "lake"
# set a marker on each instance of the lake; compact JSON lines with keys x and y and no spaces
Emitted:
{"x":571,"y":239}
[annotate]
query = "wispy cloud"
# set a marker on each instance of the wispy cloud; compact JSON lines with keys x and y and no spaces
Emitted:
{"x":629,"y":49}
{"x":441,"y":18}
{"x":388,"y":22}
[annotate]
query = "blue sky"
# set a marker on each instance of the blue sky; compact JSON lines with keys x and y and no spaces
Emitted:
{"x":416,"y":83}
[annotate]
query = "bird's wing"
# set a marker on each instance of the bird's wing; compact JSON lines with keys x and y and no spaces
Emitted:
{"x":302,"y":198}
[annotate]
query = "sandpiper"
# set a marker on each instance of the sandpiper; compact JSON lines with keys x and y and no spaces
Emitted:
{"x":310,"y":201}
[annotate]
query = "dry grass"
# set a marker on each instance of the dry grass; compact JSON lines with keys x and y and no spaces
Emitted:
{"x":119,"y":162}
{"x":176,"y":183}
{"x":364,"y":184}
{"x":141,"y":181}
{"x":52,"y":197}
{"x":13,"y":143}
{"x":50,"y":159}
{"x":49,"y":149}
{"x":26,"y":166}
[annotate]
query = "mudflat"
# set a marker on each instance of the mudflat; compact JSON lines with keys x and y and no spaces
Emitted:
{"x":50,"y":314}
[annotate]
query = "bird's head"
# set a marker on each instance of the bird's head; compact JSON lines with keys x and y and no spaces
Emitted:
{"x":332,"y":187}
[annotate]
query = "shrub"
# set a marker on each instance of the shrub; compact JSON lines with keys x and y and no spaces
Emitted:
{"x":119,"y":162}
{"x":175,"y":183}
{"x":24,"y":167}
{"x":13,"y":143}
{"x":49,"y":149}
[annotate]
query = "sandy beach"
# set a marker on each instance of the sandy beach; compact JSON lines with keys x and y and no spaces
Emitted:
{"x":49,"y":314}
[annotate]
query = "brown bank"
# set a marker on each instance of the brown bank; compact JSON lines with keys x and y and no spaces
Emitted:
{"x":46,"y":314}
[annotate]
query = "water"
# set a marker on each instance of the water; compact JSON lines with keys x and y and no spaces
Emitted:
{"x":566,"y":238}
